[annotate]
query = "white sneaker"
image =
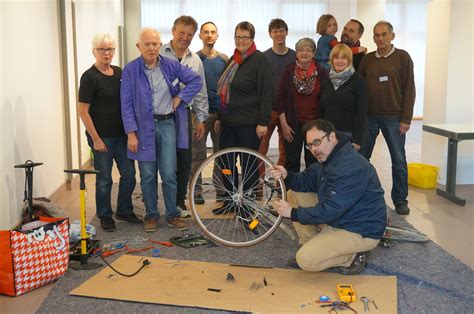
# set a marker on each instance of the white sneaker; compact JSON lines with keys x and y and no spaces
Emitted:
{"x":185,"y":212}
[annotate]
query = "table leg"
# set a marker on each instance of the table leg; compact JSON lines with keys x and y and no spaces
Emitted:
{"x":450,"y":192}
{"x":452,"y":165}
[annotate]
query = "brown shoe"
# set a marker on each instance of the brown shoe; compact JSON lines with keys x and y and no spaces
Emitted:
{"x":178,"y":223}
{"x":150,"y":224}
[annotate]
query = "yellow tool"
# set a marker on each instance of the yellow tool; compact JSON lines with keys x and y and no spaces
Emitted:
{"x":253,"y":224}
{"x":346,"y":293}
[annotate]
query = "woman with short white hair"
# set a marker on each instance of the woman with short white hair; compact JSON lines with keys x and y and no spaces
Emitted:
{"x":100,"y":112}
{"x":298,"y":102}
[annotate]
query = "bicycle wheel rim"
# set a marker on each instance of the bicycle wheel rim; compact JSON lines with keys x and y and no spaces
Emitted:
{"x":233,"y":228}
{"x":400,"y":234}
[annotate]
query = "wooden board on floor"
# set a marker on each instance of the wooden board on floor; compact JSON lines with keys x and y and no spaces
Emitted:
{"x":186,"y":283}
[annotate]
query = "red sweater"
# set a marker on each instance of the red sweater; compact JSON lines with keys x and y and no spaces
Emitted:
{"x":298,"y":108}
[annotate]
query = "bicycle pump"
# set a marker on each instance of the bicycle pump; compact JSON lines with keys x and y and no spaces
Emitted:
{"x":28,"y":196}
{"x":83,"y":264}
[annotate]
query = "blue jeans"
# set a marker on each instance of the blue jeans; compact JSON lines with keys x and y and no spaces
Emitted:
{"x":396,"y":146}
{"x":165,"y":141}
{"x":103,"y":162}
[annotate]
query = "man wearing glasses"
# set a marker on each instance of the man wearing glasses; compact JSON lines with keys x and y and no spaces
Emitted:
{"x":337,"y":205}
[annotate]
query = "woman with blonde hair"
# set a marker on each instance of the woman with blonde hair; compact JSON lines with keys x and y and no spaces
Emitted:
{"x":344,"y":95}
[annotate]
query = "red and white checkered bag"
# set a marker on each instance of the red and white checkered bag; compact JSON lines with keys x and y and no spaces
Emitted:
{"x":33,"y":255}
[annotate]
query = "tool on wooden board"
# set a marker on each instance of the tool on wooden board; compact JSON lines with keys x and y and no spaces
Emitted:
{"x":346,"y":293}
{"x":366,"y":302}
{"x":338,"y":305}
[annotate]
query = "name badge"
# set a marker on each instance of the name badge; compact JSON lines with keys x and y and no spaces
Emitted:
{"x":383,"y":78}
{"x":175,"y":82}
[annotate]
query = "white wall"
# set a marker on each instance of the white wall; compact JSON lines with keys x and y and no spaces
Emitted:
{"x":132,"y":25}
{"x":449,"y":84}
{"x":31,"y":98}
{"x":370,"y":12}
{"x":31,"y":91}
{"x":93,"y":17}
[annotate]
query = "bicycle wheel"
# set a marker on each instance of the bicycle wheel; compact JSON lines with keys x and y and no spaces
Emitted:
{"x":400,"y":234}
{"x":238,"y":180}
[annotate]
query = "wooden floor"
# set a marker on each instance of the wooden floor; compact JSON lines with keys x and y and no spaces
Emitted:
{"x":446,"y":223}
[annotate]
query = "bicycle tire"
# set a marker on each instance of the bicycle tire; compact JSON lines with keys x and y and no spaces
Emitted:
{"x":233,"y":228}
{"x":400,"y":234}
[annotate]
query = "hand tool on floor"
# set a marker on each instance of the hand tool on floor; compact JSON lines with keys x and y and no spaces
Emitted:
{"x":165,"y":243}
{"x":141,"y":249}
{"x":366,"y":303}
{"x":346,"y":293}
{"x":375,"y":305}
{"x":339,"y":305}
{"x":112,"y":252}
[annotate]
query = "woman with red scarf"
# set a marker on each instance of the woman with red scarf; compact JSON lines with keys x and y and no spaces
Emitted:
{"x":298,"y":102}
{"x":245,"y":90}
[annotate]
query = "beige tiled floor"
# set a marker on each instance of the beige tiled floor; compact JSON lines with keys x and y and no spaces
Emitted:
{"x":446,"y":223}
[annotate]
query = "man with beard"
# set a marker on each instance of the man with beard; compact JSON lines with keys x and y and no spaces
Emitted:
{"x":336,"y":205}
{"x":351,"y":35}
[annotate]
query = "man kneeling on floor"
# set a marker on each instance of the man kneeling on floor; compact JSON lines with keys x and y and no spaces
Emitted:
{"x":350,"y":218}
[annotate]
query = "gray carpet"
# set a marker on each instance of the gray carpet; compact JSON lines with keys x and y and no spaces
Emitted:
{"x":430,"y":280}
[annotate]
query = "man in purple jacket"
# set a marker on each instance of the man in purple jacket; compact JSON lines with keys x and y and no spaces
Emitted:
{"x":155,"y":120}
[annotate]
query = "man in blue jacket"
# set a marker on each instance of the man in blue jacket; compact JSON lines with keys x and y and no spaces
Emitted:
{"x":156,"y":122}
{"x":350,"y":217}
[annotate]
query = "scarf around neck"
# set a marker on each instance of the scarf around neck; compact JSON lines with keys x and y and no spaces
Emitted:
{"x":339,"y":78}
{"x":223,"y":86}
{"x":305,"y":80}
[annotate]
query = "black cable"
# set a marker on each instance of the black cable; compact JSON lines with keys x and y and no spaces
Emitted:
{"x":145,"y":263}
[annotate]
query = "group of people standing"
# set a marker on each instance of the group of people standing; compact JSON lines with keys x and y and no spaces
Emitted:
{"x":160,"y":110}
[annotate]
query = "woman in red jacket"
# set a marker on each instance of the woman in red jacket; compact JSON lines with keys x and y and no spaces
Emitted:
{"x":298,"y":102}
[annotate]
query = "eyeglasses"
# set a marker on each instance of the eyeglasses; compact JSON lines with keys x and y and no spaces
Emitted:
{"x":237,"y":38}
{"x":309,"y":50}
{"x":316,"y":142}
{"x":104,"y":50}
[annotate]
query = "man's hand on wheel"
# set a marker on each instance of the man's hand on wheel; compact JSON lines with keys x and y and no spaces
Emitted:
{"x":283,"y":208}
{"x":279,"y":172}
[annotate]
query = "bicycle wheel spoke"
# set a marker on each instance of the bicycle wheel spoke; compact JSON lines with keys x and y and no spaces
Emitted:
{"x":241,"y":178}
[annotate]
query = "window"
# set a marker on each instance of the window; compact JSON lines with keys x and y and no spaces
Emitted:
{"x":409,"y":22}
{"x":300,"y":15}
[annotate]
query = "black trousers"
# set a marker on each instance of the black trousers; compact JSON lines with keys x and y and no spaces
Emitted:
{"x":183,"y":170}
{"x":293,"y":152}
{"x":240,"y":136}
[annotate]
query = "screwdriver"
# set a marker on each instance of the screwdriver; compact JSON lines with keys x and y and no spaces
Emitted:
{"x":165,"y":243}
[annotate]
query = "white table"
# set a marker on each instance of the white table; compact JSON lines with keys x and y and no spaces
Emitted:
{"x":455,"y":133}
